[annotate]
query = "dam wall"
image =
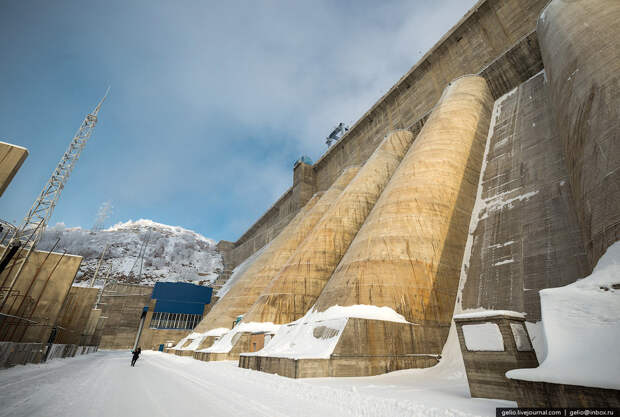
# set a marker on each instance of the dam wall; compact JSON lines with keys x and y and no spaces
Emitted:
{"x":33,"y":306}
{"x":408,"y":253}
{"x":299,"y":283}
{"x":510,"y":186}
{"x":406,"y":257}
{"x":74,"y":322}
{"x":551,"y":188}
{"x":253,"y":281}
{"x":122,"y":306}
{"x":581,"y":51}
{"x":526,"y":235}
{"x":496,"y":39}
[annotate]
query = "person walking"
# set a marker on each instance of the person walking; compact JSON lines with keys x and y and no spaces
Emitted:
{"x":136,"y":354}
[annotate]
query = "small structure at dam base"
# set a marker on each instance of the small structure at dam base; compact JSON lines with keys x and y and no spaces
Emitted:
{"x":493,"y":342}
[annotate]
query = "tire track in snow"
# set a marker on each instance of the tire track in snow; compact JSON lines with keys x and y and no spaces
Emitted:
{"x":258,"y":407}
{"x":332,"y":401}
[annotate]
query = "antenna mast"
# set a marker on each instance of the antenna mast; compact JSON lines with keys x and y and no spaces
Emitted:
{"x":102,"y":215}
{"x":30,"y":230}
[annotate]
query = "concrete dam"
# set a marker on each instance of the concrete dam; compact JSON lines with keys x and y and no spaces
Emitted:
{"x":488,"y":172}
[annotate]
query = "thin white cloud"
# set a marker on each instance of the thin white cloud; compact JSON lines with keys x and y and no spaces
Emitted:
{"x":218,"y":98}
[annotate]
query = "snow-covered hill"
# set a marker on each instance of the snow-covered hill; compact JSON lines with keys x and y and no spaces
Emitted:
{"x":172,"y":254}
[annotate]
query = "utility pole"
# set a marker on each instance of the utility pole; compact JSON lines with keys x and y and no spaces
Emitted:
{"x":140,"y":259}
{"x":105,"y":282}
{"x":29,"y":232}
{"x":92,"y":280}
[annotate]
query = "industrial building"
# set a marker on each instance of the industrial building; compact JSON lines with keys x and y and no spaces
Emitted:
{"x":174,"y":309}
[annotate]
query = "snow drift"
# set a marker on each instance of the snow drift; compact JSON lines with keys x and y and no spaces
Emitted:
{"x":581,"y":323}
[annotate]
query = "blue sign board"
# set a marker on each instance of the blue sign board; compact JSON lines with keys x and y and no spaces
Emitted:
{"x":180,"y":297}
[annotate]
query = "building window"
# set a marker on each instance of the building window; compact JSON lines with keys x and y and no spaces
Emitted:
{"x":155,"y":320}
{"x":483,"y":337}
{"x":522,"y":340}
{"x":175,"y":321}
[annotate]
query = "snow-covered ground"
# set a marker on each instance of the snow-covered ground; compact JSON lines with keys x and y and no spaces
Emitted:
{"x":103,"y":384}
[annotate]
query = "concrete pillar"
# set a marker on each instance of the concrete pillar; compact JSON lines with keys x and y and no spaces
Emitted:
{"x":299,"y":283}
{"x":408,"y":254}
{"x":136,"y":343}
{"x":580,"y":47}
{"x":258,"y":275}
{"x":304,"y":183}
{"x":96,"y":339}
{"x":91,"y":327}
{"x":225,"y":248}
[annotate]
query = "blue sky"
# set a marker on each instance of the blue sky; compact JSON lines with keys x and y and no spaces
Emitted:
{"x":211,"y":102}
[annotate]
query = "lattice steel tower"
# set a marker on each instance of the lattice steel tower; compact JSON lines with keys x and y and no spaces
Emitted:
{"x":102,"y":215}
{"x":29,"y":232}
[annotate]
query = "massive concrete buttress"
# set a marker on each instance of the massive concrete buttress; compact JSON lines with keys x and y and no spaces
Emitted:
{"x":407,"y":256}
{"x":258,"y":275}
{"x":580,"y":47}
{"x":91,"y":328}
{"x":297,"y":286}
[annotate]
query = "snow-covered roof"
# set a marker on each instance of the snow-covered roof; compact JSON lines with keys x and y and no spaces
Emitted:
{"x":317,"y":333}
{"x":225,"y":343}
{"x":220,"y":331}
{"x":489,"y":313}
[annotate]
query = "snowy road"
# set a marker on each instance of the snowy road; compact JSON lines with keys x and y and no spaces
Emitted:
{"x":103,"y":384}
